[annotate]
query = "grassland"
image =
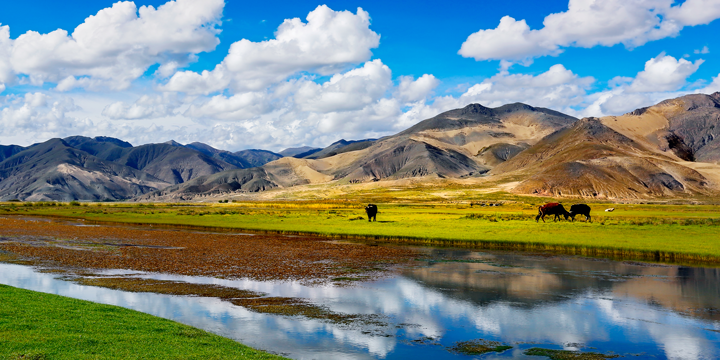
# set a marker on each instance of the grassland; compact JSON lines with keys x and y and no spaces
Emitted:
{"x":43,"y":326}
{"x":681,"y":233}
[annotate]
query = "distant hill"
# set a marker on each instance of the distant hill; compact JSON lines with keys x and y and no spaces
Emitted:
{"x":338,"y":147}
{"x":54,"y":170}
{"x":299,"y":151}
{"x":257,"y":157}
{"x":669,"y":150}
{"x":451,"y":145}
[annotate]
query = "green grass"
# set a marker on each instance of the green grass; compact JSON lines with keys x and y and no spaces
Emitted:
{"x":36,"y":325}
{"x":683,"y":233}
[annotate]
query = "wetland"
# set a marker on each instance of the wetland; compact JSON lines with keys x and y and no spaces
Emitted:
{"x":318,"y":297}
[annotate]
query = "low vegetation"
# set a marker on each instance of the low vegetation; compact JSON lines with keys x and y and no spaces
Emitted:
{"x":680,"y":233}
{"x":568,"y":355}
{"x":478,"y":347}
{"x":43,"y":326}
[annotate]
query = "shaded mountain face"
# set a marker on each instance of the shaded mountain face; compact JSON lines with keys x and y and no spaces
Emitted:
{"x":303,"y":150}
{"x":339,"y":147}
{"x":172,"y":164}
{"x":232,"y":181}
{"x":257,"y":157}
{"x":54,"y":170}
{"x":241,"y":159}
{"x":688,"y":127}
{"x":104,"y":168}
{"x":7,"y":151}
{"x":590,"y":159}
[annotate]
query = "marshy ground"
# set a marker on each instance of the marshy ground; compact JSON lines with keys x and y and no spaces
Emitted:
{"x":278,"y":242}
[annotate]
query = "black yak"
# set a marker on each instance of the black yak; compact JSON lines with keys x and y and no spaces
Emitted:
{"x":371,"y":211}
{"x":580,"y":209}
{"x":551,"y":209}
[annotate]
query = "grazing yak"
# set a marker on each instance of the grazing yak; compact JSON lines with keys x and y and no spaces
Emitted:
{"x":580,"y":209}
{"x":551,"y":209}
{"x":371,"y":211}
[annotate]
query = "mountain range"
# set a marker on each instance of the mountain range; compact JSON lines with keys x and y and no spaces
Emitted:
{"x":670,"y":149}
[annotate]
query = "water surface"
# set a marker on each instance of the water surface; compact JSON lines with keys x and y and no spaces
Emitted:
{"x":525,"y":301}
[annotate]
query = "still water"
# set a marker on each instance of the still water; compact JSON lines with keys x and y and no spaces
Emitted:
{"x":635,"y":310}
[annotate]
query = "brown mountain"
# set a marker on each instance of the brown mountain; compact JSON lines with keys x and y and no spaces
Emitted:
{"x":458,"y":143}
{"x":590,"y":159}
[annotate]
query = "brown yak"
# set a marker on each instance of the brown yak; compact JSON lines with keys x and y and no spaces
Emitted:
{"x":551,"y":209}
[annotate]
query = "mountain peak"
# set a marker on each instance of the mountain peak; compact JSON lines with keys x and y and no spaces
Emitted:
{"x":173,"y":143}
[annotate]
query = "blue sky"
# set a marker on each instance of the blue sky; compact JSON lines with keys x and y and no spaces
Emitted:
{"x":138,"y":74}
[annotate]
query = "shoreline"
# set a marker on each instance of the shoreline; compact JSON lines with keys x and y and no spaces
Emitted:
{"x":610,"y":253}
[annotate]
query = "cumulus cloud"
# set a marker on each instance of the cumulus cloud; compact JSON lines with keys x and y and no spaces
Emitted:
{"x":34,"y":113}
{"x":113,"y":47}
{"x":664,"y":73}
{"x":589,"y":23}
{"x":352,"y":90}
{"x":664,"y":77}
{"x":147,"y":106}
{"x":328,"y":42}
{"x":410,"y":90}
{"x":557,"y":88}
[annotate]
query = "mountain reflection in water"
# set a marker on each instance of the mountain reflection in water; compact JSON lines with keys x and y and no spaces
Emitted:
{"x":524,"y":301}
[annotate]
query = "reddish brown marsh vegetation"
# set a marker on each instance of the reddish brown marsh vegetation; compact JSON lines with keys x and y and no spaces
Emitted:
{"x":259,"y":257}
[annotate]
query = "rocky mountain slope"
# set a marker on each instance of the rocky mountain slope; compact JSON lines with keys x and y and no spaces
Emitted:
{"x":688,"y":126}
{"x":105,"y":168}
{"x":666,"y":150}
{"x":459,"y":143}
{"x":590,"y":159}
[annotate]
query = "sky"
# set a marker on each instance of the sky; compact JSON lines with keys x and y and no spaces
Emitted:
{"x":272,"y":75}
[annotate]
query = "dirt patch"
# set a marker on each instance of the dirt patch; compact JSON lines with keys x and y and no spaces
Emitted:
{"x":259,"y":257}
{"x":167,"y":287}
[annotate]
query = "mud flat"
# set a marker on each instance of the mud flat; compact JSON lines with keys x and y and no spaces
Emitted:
{"x":258,"y":257}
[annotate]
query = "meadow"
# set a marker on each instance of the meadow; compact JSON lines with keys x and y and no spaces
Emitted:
{"x":40,"y":326}
{"x":655,"y":232}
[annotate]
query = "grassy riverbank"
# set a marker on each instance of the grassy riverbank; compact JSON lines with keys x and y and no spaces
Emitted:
{"x":685,"y":233}
{"x":36,"y":325}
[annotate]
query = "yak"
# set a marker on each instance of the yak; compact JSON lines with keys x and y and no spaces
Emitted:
{"x":580,"y":209}
{"x":371,"y":211}
{"x":551,"y":209}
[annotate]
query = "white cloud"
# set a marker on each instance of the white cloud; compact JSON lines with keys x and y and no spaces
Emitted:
{"x":330,"y":41}
{"x":146,"y":107}
{"x":664,"y":73}
{"x":410,"y":90}
{"x":714,"y":86}
{"x":241,"y":106}
{"x":113,"y":47}
{"x":35,"y":114}
{"x":664,"y":77}
{"x":557,"y":88}
{"x":704,"y":50}
{"x":352,"y":90}
{"x":589,"y":23}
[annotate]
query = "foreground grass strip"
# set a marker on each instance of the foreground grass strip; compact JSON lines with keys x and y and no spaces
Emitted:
{"x":478,"y":347}
{"x":36,"y":325}
{"x":568,"y":355}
